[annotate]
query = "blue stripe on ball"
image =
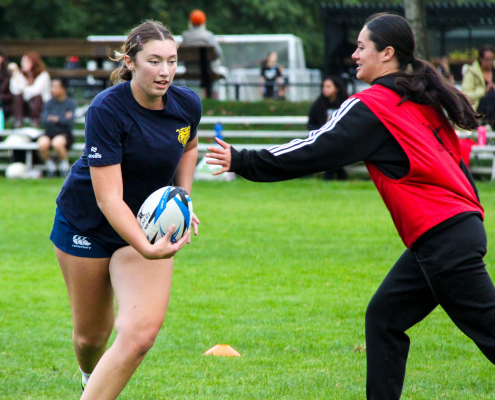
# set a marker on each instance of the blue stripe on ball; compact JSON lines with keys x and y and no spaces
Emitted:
{"x":162,"y":205}
{"x":185,"y":211}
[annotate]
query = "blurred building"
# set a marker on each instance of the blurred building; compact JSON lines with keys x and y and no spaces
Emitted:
{"x":453,"y":29}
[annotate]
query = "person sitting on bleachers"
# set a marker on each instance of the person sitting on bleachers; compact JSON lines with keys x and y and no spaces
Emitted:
{"x":58,"y":121}
{"x":5,"y":95}
{"x":198,"y":35}
{"x":30,"y":86}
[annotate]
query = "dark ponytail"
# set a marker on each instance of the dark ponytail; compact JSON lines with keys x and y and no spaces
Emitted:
{"x":136,"y":39}
{"x":422,"y":82}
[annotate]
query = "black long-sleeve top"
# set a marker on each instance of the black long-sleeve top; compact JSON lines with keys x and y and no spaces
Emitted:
{"x":353,"y":134}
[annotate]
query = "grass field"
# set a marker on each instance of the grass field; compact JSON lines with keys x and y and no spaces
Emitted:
{"x":281,"y":272}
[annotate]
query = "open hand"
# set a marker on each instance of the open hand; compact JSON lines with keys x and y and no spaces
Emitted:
{"x":164,"y":248}
{"x":194,"y":224}
{"x":220,"y":156}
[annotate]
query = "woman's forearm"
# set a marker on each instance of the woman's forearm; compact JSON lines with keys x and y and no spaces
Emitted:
{"x":122,"y":219}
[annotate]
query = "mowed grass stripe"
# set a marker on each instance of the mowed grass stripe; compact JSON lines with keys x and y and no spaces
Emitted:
{"x":282,"y":272}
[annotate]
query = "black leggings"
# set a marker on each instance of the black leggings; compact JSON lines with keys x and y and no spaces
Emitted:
{"x":446,"y":269}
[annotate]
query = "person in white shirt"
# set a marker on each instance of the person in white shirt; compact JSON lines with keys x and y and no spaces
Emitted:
{"x":30,"y":85}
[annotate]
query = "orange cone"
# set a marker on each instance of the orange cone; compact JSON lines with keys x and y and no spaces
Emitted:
{"x":222,"y":350}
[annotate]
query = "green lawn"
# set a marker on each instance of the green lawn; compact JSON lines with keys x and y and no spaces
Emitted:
{"x":281,"y":272}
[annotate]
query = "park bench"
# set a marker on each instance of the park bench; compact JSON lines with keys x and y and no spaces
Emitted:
{"x":206,"y":139}
{"x":101,"y":50}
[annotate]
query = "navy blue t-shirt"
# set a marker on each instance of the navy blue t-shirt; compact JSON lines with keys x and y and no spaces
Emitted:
{"x":147,"y":143}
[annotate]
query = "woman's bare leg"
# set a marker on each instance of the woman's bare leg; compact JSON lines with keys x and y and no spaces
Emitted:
{"x":91,"y":302}
{"x":142,"y":289}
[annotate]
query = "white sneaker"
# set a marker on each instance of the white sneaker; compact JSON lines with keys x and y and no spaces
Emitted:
{"x":64,"y":168}
{"x":51,"y":168}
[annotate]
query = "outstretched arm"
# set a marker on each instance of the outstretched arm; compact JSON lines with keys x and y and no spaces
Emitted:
{"x":346,"y":139}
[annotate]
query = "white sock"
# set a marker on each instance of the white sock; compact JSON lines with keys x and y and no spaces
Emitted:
{"x":85,"y":376}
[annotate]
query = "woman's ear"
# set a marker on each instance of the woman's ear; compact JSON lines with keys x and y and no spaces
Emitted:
{"x":388,"y":53}
{"x":128,"y":63}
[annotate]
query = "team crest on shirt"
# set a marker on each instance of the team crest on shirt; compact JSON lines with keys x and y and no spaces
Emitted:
{"x":184,"y":134}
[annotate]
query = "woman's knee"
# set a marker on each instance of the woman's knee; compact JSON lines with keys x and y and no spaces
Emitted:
{"x":138,"y":338}
{"x":91,"y":341}
{"x":375,"y":309}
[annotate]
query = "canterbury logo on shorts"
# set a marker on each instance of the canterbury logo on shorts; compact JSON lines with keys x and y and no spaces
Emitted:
{"x":81,"y":242}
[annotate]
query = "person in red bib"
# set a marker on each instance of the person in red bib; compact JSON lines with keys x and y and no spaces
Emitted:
{"x":402,"y":127}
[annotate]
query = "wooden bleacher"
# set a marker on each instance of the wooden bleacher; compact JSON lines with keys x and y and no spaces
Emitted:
{"x":102,"y":50}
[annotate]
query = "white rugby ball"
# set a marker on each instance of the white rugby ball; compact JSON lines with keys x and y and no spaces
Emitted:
{"x":170,"y":205}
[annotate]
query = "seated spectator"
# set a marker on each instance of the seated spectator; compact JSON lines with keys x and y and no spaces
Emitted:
{"x":271,"y":76}
{"x":478,"y":83}
{"x":6,"y":97}
{"x":72,"y":62}
{"x":333,"y":94}
{"x":30,"y":86}
{"x":198,"y":35}
{"x":58,"y":121}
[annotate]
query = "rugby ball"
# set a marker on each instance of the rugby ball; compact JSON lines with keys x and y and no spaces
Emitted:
{"x":170,"y":205}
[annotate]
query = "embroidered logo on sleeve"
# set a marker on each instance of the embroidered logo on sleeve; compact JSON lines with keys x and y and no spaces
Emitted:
{"x":184,"y":134}
{"x":94,"y":153}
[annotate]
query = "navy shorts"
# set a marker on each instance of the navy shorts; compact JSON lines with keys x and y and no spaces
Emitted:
{"x":68,"y":239}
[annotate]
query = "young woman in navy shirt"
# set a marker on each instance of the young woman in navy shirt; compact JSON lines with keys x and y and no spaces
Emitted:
{"x":400,"y":128}
{"x":140,"y":136}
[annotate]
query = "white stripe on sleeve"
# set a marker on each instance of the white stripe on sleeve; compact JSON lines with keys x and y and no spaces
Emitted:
{"x":313,"y":135}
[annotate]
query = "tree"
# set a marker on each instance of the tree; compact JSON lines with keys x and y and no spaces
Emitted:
{"x":81,"y":18}
{"x":415,"y":12}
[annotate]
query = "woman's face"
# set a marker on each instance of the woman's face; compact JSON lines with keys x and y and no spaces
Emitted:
{"x":26,"y":64}
{"x":371,"y":63}
{"x":272,"y":58}
{"x":487,"y":60}
{"x":329,"y":90}
{"x":153,"y":70}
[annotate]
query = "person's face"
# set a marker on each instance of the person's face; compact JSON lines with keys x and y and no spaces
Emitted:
{"x":57,"y":89}
{"x":328,"y":90}
{"x":371,"y":63}
{"x":26,"y":64}
{"x":272,"y":58}
{"x":154,"y":69}
{"x":487,"y":60}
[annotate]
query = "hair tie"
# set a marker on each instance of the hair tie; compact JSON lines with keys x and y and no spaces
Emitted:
{"x":413,"y":59}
